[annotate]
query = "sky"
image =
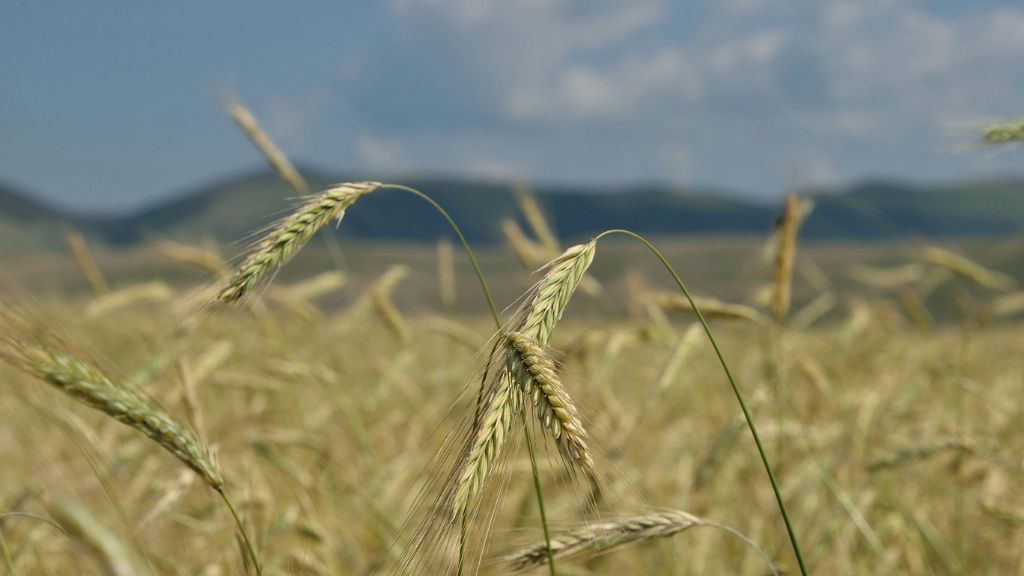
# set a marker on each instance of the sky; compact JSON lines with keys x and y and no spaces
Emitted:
{"x":109,"y":105}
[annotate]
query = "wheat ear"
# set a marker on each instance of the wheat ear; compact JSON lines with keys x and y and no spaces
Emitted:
{"x":536,"y":371}
{"x":493,"y":427}
{"x":553,"y":292}
{"x":710,"y":307}
{"x":277,"y":160}
{"x":602,"y":536}
{"x":535,"y":217}
{"x":86,"y":383}
{"x":85,"y":262}
{"x":785,"y":256}
{"x":505,"y":398}
{"x":968,"y":269}
{"x":290,"y":235}
{"x":1003,"y":133}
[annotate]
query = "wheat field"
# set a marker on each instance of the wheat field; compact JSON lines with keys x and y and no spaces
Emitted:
{"x":419,"y":412}
{"x":896,"y":440}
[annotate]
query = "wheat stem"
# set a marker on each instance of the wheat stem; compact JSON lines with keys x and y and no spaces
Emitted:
{"x":540,"y":498}
{"x":241,"y":529}
{"x":732,"y":382}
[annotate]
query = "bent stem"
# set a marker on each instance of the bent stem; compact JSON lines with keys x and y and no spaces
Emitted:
{"x":498,"y":325}
{"x":732,"y":382}
{"x":241,"y":529}
{"x":462,"y":240}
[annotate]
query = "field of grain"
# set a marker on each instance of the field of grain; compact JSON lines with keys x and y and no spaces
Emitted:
{"x":341,"y":413}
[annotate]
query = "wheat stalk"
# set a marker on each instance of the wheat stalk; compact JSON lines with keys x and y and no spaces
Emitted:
{"x":290,"y":235}
{"x":446,"y":272}
{"x":887,"y":278}
{"x":277,"y":160}
{"x":536,"y":372}
{"x":535,"y":218}
{"x":785,"y":256}
{"x":203,"y":259}
{"x":603,"y":536}
{"x":710,"y":307}
{"x":967,"y":269}
{"x":86,"y":263}
{"x":918,"y":453}
{"x":529,"y":253}
{"x":156,"y":291}
{"x":79,"y":523}
{"x":1009,"y":304}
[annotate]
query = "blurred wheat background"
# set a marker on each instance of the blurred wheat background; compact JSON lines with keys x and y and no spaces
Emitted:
{"x":311,"y":371}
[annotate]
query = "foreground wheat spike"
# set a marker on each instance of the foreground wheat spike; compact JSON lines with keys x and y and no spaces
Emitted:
{"x":1004,"y":133}
{"x":553,"y":292}
{"x":277,"y":160}
{"x":501,"y":401}
{"x":606,"y":535}
{"x":498,"y":410}
{"x":556,"y":410}
{"x":51,"y":363}
{"x":290,"y":235}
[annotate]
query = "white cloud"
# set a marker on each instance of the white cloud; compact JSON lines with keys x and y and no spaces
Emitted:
{"x":626,"y":87}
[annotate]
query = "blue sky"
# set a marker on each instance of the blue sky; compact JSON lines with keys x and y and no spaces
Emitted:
{"x":112,"y":104}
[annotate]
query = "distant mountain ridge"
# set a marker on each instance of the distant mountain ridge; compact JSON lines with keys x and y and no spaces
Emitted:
{"x":231,"y":209}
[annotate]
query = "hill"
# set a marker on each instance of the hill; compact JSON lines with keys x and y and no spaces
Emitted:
{"x":27,"y":224}
{"x":231,"y":209}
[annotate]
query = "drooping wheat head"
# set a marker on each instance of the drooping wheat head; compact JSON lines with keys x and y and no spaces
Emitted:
{"x":501,"y":405}
{"x":537,"y":375}
{"x":289,"y":235}
{"x":45,"y":357}
{"x":552,"y":293}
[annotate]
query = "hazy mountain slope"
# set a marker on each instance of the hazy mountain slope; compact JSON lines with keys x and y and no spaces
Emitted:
{"x":232,"y":209}
{"x":27,"y":224}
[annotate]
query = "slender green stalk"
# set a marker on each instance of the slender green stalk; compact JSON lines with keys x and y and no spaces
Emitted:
{"x":462,"y":240}
{"x":540,"y":496}
{"x":241,"y":529}
{"x":8,"y":561}
{"x":498,"y":325}
{"x":732,"y":383}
